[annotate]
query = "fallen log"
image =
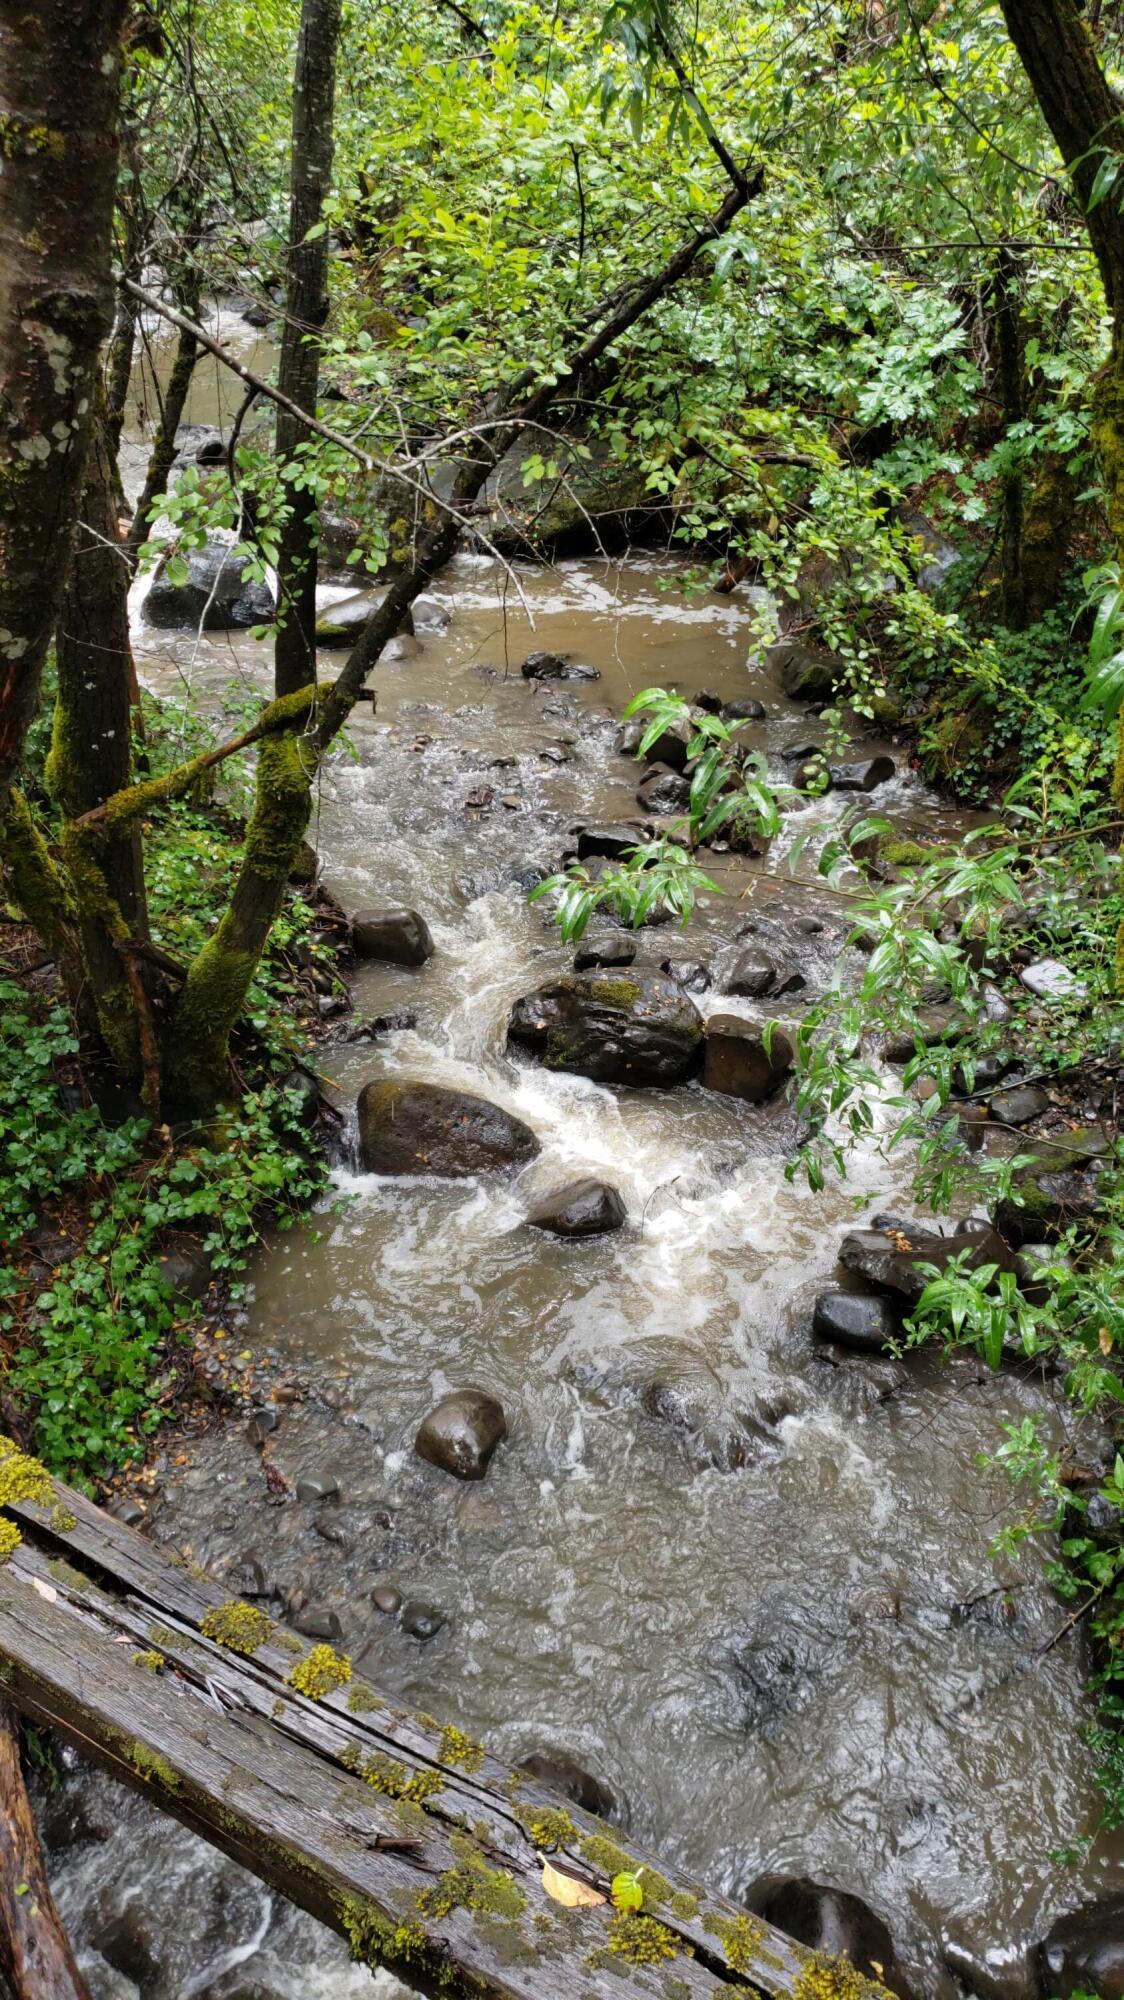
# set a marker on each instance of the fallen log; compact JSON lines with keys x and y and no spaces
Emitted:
{"x":405,"y":1835}
{"x":35,"y":1955}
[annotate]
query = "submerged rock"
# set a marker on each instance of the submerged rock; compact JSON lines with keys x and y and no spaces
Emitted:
{"x":395,"y":936}
{"x":609,"y":842}
{"x":832,"y":1921}
{"x":865,"y":775}
{"x":556,"y":667}
{"x":889,"y":1258}
{"x":584,"y":1208}
{"x":1084,"y":1952}
{"x":638,"y":1029}
{"x":422,"y":1621}
{"x":561,"y":1773}
{"x":421,"y":1128}
{"x":754,"y":973}
{"x":745,"y":709}
{"x":854,"y":1321}
{"x":461,"y":1432}
{"x":737,"y":1062}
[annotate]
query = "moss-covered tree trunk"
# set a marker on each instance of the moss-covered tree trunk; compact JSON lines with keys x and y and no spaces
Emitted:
{"x":306,"y":309}
{"x":59,"y":73}
{"x":91,"y":755}
{"x":1084,"y":115}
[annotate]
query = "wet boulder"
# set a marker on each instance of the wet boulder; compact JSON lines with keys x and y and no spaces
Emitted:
{"x":423,"y":1621}
{"x":670,"y":746}
{"x":745,"y":709}
{"x":461,"y":1432}
{"x":830,"y":1920}
{"x":1019,"y":1105}
{"x":216,"y":592}
{"x":561,"y":1773}
{"x":609,"y":842}
{"x":737,"y":1062}
{"x":1084,"y":1952}
{"x":890,"y":1258}
{"x":1049,"y":979}
{"x":754,"y":973}
{"x":807,"y":672}
{"x":664,"y":791}
{"x":600,"y":953}
{"x":556,"y":667}
{"x":423,"y":1128}
{"x":854,"y":1321}
{"x":1061,"y":1185}
{"x":864,"y":775}
{"x":690,"y":973}
{"x":684,"y":1394}
{"x":584,"y":1208}
{"x":636,"y":1029}
{"x":395,"y":936}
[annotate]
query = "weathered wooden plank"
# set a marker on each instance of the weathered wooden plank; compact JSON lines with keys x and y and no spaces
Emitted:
{"x":414,"y":1842}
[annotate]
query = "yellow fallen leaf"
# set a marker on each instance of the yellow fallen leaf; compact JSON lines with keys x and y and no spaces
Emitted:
{"x":566,"y":1889}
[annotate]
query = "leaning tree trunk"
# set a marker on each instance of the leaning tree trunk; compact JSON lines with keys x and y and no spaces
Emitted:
{"x":306,"y":309}
{"x":91,"y":758}
{"x":59,"y":71}
{"x":187,"y":292}
{"x":35,"y":1955}
{"x":1084,"y":115}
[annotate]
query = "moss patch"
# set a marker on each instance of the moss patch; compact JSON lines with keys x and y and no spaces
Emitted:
{"x":387,"y":1775}
{"x":472,"y":1885}
{"x":321,"y":1673}
{"x":377,"y":1940}
{"x":547,"y":1826}
{"x":610,"y":1858}
{"x":152,"y":1661}
{"x":615,"y":992}
{"x":641,"y":1940}
{"x":457,"y":1748}
{"x":22,"y":1478}
{"x":822,"y":1976}
{"x":10,"y":1539}
{"x":363,"y":1700}
{"x":154,"y":1769}
{"x":742,"y":1939}
{"x":237,"y":1626}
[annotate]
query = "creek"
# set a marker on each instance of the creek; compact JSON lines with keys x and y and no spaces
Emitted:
{"x":798,"y":1667}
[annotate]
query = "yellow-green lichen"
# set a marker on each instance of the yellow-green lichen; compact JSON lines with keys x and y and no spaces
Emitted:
{"x":237,"y":1626}
{"x":321,"y":1673}
{"x":457,"y":1748}
{"x":165,"y":1637}
{"x":472,"y":1885}
{"x":151,"y":1660}
{"x":641,"y":1940}
{"x":610,"y":1858}
{"x":22,"y":1478}
{"x":377,"y":1940}
{"x":363,"y":1700}
{"x":547,"y":1826}
{"x":10,"y":1539}
{"x":153,"y":1768}
{"x":684,"y":1905}
{"x":387,"y":1775}
{"x":63,"y":1522}
{"x":742,"y":1940}
{"x":823,"y":1976}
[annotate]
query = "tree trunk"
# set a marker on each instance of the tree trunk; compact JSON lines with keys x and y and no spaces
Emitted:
{"x":306,"y":309}
{"x":35,"y":1955}
{"x":163,"y":454}
{"x":59,"y":69}
{"x":1010,"y":346}
{"x":91,"y":753}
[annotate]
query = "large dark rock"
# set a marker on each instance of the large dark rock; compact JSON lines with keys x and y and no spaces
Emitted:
{"x":689,"y":973}
{"x":561,"y":1773}
{"x":396,"y":936}
{"x":1084,"y":1952}
{"x":609,"y":842}
{"x":216,"y":592}
{"x":637,"y":1029}
{"x":597,"y":953}
{"x":461,"y":1432}
{"x":664,"y":791}
{"x":754,"y":973}
{"x":737,"y":1062}
{"x":670,"y":746}
{"x":807,"y":672}
{"x":889,"y":1258}
{"x":421,"y":1128}
{"x":832,"y":1921}
{"x":746,"y":709}
{"x":584,"y":1208}
{"x":1062,"y":1185}
{"x":556,"y":667}
{"x":863,"y":776}
{"x":854,"y":1321}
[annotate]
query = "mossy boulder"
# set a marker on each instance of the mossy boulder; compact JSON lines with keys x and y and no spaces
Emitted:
{"x":1060,"y":1186}
{"x":807,"y":672}
{"x":633,"y":1029}
{"x":422,"y":1128}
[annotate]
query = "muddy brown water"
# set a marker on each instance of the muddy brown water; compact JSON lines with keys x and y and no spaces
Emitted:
{"x":771,"y":1667}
